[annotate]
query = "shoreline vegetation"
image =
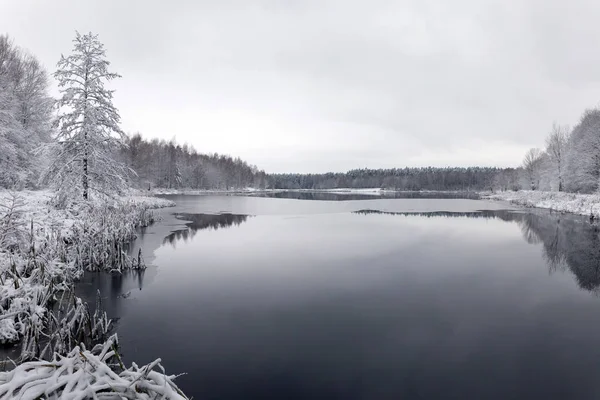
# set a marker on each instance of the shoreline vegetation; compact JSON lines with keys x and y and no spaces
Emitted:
{"x":573,"y":203}
{"x":65,"y":347}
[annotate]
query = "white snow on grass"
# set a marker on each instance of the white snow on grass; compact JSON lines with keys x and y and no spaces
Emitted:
{"x":203,"y":192}
{"x":149,"y":201}
{"x":583,"y":204}
{"x":84,"y":374}
{"x":43,"y":250}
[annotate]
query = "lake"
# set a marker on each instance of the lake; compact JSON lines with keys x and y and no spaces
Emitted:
{"x":369,"y":298}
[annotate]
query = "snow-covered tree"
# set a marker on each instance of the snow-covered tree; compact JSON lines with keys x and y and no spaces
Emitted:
{"x":25,"y":114}
{"x":556,"y":148}
{"x":532,"y":168}
{"x":89,"y":136}
{"x":582,"y":163}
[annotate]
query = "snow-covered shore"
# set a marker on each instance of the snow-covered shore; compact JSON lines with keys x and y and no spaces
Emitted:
{"x":583,"y":204}
{"x":201,"y":192}
{"x":43,"y":251}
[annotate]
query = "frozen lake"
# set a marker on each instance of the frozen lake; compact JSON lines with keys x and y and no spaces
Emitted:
{"x":282,"y":298}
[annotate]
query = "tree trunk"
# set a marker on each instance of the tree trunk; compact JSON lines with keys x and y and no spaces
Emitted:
{"x":85,"y":171}
{"x":85,"y":137}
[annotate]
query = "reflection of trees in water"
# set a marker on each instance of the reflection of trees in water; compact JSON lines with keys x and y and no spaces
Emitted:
{"x":529,"y":234}
{"x":341,"y":196}
{"x":203,"y":221}
{"x":569,"y":242}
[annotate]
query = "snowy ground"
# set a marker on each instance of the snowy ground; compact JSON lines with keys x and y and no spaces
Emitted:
{"x":37,"y":208}
{"x":583,"y":204}
{"x":374,"y":191}
{"x":43,"y":250}
{"x":200,"y":192}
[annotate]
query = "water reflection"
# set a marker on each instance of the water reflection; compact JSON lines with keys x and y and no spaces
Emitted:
{"x":343,"y":196}
{"x":196,"y":222}
{"x":569,"y":242}
{"x":505,"y":215}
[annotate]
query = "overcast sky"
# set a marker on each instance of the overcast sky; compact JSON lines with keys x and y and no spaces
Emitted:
{"x":314,"y":86}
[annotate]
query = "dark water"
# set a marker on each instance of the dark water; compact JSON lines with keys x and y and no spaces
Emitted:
{"x":373,"y":299}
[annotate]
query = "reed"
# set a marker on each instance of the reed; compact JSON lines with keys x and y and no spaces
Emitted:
{"x":41,"y":258}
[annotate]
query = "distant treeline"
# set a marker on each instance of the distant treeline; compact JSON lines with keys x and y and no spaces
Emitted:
{"x":429,"y":178}
{"x":159,"y":163}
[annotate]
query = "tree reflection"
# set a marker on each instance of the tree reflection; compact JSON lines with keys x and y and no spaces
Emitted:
{"x":569,"y":242}
{"x":203,"y":221}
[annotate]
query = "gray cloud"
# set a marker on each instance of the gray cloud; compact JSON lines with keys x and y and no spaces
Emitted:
{"x":311,"y":86}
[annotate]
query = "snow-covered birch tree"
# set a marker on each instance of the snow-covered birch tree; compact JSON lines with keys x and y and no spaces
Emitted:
{"x":89,"y":136}
{"x":556,"y":148}
{"x":532,"y":168}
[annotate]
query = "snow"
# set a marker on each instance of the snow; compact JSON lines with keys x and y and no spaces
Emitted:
{"x":85,"y":374}
{"x":583,"y":204}
{"x":149,"y":201}
{"x":43,"y":250}
{"x":201,"y":192}
{"x":366,"y":191}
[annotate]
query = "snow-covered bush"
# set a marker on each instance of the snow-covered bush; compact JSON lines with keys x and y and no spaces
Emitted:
{"x":81,"y":374}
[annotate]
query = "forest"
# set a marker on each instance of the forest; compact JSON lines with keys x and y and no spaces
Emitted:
{"x":409,"y":179}
{"x":570,"y":161}
{"x":30,"y":128}
{"x":33,"y":152}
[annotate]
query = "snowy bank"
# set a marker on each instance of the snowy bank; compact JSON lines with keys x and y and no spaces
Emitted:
{"x":583,"y":204}
{"x":381,"y":191}
{"x":204,"y":192}
{"x":148,"y":201}
{"x":43,"y":251}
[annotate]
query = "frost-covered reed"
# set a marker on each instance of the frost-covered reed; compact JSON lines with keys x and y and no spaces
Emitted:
{"x":81,"y":374}
{"x":43,"y":251}
{"x":41,"y":256}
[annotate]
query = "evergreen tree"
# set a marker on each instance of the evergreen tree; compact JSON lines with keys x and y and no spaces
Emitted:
{"x":89,"y":136}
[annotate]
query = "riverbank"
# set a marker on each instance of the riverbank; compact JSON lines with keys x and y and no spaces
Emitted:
{"x":582,"y":204}
{"x":43,"y":251}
